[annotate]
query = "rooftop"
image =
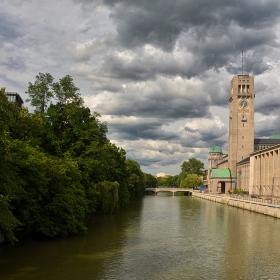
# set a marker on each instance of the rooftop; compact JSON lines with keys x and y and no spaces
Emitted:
{"x":221,"y":173}
{"x":216,"y":149}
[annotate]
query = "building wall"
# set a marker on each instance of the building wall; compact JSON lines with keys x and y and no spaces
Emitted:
{"x":224,"y":164}
{"x":265,"y":172}
{"x":215,"y":185}
{"x":243,"y":176}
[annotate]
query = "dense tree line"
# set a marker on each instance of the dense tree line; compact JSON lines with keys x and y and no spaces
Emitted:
{"x":57,"y":167}
{"x":190,"y":175}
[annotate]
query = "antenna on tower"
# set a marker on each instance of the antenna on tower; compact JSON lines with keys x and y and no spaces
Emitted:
{"x":242,"y":62}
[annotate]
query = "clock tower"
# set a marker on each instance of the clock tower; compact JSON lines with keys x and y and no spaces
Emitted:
{"x":241,"y":120}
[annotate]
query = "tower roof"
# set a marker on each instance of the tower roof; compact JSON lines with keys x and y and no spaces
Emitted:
{"x":216,"y":149}
{"x":275,"y":135}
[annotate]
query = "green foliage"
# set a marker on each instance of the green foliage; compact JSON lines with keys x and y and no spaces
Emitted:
{"x":150,"y":181}
{"x":193,"y":166}
{"x":40,"y":93}
{"x":10,"y":182}
{"x":162,"y":182}
{"x":238,"y":191}
{"x":191,"y":180}
{"x":8,"y":222}
{"x":171,"y":181}
{"x":57,"y":166}
{"x":54,"y":201}
{"x":66,"y":92}
{"x":136,"y":179}
{"x":108,"y":196}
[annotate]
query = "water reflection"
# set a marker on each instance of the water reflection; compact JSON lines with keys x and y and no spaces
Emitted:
{"x":159,"y":237}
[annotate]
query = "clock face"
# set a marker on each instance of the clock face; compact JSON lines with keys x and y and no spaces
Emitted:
{"x":243,"y":104}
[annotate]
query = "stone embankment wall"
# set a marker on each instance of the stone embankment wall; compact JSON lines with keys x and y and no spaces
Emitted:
{"x":258,"y":207}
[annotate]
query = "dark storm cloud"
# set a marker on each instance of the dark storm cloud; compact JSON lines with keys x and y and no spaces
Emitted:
{"x":204,"y":139}
{"x":139,"y":130}
{"x":212,"y":33}
{"x":161,"y":22}
{"x":157,"y":106}
{"x":268,"y":104}
{"x":267,"y":100}
{"x":14,"y":63}
{"x":152,"y":65}
{"x":222,"y":47}
{"x":199,"y":143}
{"x":267,"y":127}
{"x":8,"y":29}
{"x":150,"y":161}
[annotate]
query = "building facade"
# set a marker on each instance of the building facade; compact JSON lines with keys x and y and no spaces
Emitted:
{"x":252,"y":164}
{"x":241,"y":120}
{"x":15,"y":97}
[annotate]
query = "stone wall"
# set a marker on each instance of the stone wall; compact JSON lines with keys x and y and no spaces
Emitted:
{"x":262,"y":208}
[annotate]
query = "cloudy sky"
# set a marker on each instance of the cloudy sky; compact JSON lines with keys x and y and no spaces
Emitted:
{"x":158,"y":71}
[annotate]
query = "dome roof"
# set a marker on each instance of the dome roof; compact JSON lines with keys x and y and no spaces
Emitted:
{"x":216,"y":149}
{"x":275,"y":135}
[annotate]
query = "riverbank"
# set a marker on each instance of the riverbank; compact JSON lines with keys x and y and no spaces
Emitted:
{"x":254,"y":206}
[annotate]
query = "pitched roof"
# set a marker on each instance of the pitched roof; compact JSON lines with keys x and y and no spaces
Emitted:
{"x":270,"y":141}
{"x":247,"y":159}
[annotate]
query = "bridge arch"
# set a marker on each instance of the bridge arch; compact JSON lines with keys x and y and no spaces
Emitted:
{"x":171,"y":190}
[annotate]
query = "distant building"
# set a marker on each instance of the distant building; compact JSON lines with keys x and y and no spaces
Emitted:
{"x":15,"y":97}
{"x":162,"y":175}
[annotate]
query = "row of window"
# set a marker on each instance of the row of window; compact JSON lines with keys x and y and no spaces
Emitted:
{"x":12,"y":98}
{"x":261,"y":147}
{"x":243,"y":88}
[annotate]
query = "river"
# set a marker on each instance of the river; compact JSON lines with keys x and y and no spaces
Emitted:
{"x":159,"y":237}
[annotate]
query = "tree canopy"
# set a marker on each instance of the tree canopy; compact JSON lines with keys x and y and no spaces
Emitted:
{"x":193,"y":166}
{"x":191,"y":180}
{"x":57,"y":166}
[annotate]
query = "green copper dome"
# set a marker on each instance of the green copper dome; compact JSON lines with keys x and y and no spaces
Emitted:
{"x":216,"y":149}
{"x":275,"y":135}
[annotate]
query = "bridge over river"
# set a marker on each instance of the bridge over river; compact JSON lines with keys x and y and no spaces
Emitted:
{"x":172,"y":190}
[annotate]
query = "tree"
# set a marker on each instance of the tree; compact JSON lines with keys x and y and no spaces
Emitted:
{"x":8,"y":222}
{"x":66,"y":92}
{"x":54,"y":200}
{"x":108,"y":196}
{"x":150,"y":181}
{"x":136,"y":178}
{"x":10,"y":182}
{"x":162,"y":182}
{"x":172,"y":181}
{"x":193,"y":166}
{"x":57,"y":166}
{"x":192,"y":180}
{"x":40,"y":93}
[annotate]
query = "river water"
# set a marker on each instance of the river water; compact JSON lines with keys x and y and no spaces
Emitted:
{"x":159,"y":237}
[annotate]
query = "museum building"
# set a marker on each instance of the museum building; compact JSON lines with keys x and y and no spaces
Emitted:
{"x":251,"y":164}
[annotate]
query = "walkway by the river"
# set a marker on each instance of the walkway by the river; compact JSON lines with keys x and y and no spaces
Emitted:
{"x":268,"y":207}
